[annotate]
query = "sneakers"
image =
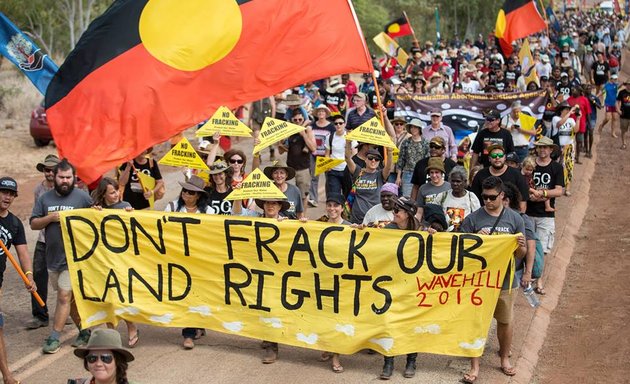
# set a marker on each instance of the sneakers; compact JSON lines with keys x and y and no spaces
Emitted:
{"x":312,"y":203}
{"x":35,"y":323}
{"x":51,"y":346}
{"x":82,"y":338}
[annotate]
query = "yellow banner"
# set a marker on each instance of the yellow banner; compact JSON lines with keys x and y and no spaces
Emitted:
{"x":274,"y":130}
{"x":313,"y":285}
{"x":183,"y":155}
{"x":371,"y":132}
{"x":323,"y":164}
{"x":226,"y":123}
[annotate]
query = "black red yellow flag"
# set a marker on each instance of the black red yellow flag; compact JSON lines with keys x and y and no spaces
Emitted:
{"x":517,"y":19}
{"x":399,"y":27}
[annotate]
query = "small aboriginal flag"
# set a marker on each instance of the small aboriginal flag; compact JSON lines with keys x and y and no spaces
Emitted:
{"x":399,"y":27}
{"x":517,"y":19}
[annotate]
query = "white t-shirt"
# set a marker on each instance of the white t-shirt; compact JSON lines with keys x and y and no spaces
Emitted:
{"x":565,"y":130}
{"x":377,"y":213}
{"x":471,"y":87}
{"x":519,"y":139}
{"x":338,"y":150}
{"x":457,"y":208}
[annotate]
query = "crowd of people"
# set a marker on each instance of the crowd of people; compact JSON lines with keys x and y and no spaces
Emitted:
{"x":502,"y":179}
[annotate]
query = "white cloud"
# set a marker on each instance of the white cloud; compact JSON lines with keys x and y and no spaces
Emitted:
{"x":164,"y":319}
{"x":310,"y":339}
{"x":386,"y":343}
{"x":478,"y":343}
{"x":273,"y":321}
{"x":433,"y":329}
{"x":348,"y":329}
{"x":234,"y":326}
{"x":96,"y":317}
{"x":129,"y":310}
{"x":203,"y":310}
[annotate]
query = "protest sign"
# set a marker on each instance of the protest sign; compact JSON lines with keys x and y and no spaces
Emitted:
{"x":256,"y":186}
{"x":274,"y":130}
{"x":391,"y":48}
{"x":183,"y":155}
{"x":314,"y":285}
{"x":226,"y":123}
{"x":323,"y":164}
{"x":148,"y":183}
{"x":371,"y":132}
{"x":527,"y":123}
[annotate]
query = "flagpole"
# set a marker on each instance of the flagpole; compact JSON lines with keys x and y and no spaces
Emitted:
{"x":21,"y":273}
{"x":413,"y":33}
{"x":544,"y":12}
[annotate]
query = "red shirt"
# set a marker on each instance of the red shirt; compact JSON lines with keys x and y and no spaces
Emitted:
{"x":585,"y":108}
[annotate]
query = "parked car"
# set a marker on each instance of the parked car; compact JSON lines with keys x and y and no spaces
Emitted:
{"x":40,"y":131}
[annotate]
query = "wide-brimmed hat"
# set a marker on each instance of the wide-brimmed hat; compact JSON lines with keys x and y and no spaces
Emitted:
{"x":435,"y":163}
{"x":104,"y":338}
{"x":401,"y":119}
{"x":416,"y":123}
{"x":322,"y":107}
{"x":285,"y":203}
{"x":438,"y":140}
{"x":49,"y":162}
{"x":218,"y":166}
{"x":545,"y":142}
{"x":334,"y":86}
{"x":279,"y":165}
{"x":194,"y":183}
{"x":374,"y":152}
{"x":406,"y":205}
{"x":293,"y":99}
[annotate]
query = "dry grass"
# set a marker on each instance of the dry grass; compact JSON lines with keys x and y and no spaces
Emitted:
{"x":18,"y":96}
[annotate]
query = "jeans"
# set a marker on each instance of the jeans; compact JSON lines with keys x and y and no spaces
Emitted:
{"x":189,"y":333}
{"x":406,"y":186}
{"x":40,"y":276}
{"x":313,"y":193}
{"x":522,"y":152}
{"x":338,"y":182}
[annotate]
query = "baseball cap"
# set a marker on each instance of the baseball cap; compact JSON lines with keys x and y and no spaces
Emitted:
{"x":614,"y":76}
{"x":492,"y":147}
{"x":492,"y":114}
{"x":8,"y":184}
{"x":436,"y":113}
{"x":512,"y":156}
{"x":336,"y":198}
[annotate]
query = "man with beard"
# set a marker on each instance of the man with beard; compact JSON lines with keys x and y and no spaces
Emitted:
{"x":46,"y":216}
{"x":500,"y":169}
{"x":492,"y":133}
{"x":40,"y":272}
{"x":11,"y":233}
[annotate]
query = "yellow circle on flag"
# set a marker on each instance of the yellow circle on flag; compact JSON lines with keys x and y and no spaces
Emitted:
{"x":394,"y":28}
{"x":190,"y":35}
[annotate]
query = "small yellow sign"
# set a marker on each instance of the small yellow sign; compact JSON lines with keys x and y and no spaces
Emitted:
{"x":391,"y":48}
{"x":147,"y":182}
{"x":226,"y":123}
{"x":371,"y":132}
{"x":323,"y":164}
{"x":395,"y":154}
{"x":256,"y":186}
{"x":274,"y":130}
{"x":527,"y":123}
{"x":183,"y":155}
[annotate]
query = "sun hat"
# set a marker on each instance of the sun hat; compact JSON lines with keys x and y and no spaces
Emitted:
{"x":104,"y":338}
{"x":416,"y":123}
{"x":293,"y":99}
{"x":279,"y":165}
{"x":545,"y":142}
{"x":435,"y":113}
{"x":390,"y":188}
{"x":360,"y":95}
{"x":194,"y":183}
{"x":438,"y":140}
{"x":334,"y":86}
{"x":435,"y":163}
{"x":49,"y":162}
{"x":260,"y":203}
{"x":8,"y":184}
{"x":494,"y":146}
{"x":407,"y":205}
{"x":322,"y":107}
{"x":398,"y":119}
{"x":218,"y":166}
{"x":374,"y":152}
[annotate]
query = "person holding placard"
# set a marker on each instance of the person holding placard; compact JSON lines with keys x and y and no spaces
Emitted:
{"x":135,"y":193}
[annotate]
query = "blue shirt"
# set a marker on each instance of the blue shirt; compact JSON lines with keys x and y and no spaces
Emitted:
{"x":611,"y":94}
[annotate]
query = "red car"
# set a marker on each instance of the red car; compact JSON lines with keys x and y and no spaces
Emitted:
{"x":40,"y":131}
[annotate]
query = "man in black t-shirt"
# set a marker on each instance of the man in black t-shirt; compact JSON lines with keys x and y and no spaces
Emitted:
{"x":11,"y":233}
{"x":601,"y":71}
{"x":491,"y":133}
{"x":134,"y":193}
{"x":623,"y":105}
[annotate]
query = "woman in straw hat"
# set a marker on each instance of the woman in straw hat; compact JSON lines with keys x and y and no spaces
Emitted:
{"x":105,"y":359}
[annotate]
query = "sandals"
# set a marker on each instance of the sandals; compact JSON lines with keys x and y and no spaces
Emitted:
{"x":325,"y":356}
{"x":540,"y":291}
{"x":624,"y":146}
{"x":337,"y":368}
{"x":508,"y":371}
{"x":199,"y":333}
{"x":468,"y":378}
{"x":133,"y":340}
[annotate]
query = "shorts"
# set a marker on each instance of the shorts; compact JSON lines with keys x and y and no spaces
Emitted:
{"x":504,"y":311}
{"x":303,"y":181}
{"x":60,"y":280}
{"x":546,"y":231}
{"x":624,"y":124}
{"x":611,"y":109}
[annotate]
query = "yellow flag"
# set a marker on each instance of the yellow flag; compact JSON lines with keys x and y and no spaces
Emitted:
{"x":323,"y":164}
{"x":391,"y":47}
{"x":256,"y":186}
{"x":183,"y":155}
{"x":226,"y":123}
{"x":371,"y":132}
{"x":274,"y":130}
{"x":147,"y":183}
{"x":525,"y":57}
{"x":527,"y":123}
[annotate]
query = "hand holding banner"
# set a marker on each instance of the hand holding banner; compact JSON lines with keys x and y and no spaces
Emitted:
{"x":371,"y":132}
{"x":274,"y":130}
{"x":226,"y":123}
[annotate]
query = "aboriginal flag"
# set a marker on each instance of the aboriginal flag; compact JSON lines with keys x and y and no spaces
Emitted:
{"x":399,"y":27}
{"x":517,"y":19}
{"x":147,"y":70}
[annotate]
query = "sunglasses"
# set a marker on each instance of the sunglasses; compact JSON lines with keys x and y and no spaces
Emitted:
{"x":396,"y":209}
{"x":496,"y":155}
{"x":435,"y":146}
{"x":373,"y":158}
{"x":188,"y":191}
{"x":48,"y":170}
{"x":399,"y":123}
{"x":236,"y":161}
{"x":339,"y":123}
{"x":490,"y":119}
{"x":490,"y":197}
{"x":105,"y":358}
{"x":298,"y":120}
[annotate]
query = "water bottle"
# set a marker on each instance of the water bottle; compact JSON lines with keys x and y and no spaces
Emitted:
{"x":531,"y":297}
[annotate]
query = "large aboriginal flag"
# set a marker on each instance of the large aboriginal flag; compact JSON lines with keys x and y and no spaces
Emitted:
{"x":517,"y":19}
{"x":148,"y":69}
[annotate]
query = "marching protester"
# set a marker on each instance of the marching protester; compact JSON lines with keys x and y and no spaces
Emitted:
{"x":338,"y":179}
{"x":457,"y":202}
{"x":299,"y":148}
{"x":219,"y":188}
{"x":437,"y":128}
{"x":382,"y":213}
{"x":105,"y":359}
{"x":40,"y":272}
{"x":322,"y":129}
{"x":566,"y":128}
{"x":520,"y":135}
{"x":437,"y":182}
{"x":11,"y":234}
{"x":135,"y":193}
{"x":610,"y":89}
{"x":45,"y":215}
{"x":492,"y":133}
{"x":623,"y":105}
{"x":280,"y":173}
{"x":437,"y":149}
{"x":412,"y":150}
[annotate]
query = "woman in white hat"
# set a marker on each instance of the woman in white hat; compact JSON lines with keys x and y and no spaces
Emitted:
{"x":105,"y":359}
{"x":219,"y":188}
